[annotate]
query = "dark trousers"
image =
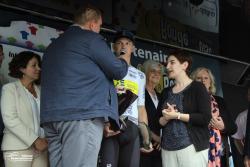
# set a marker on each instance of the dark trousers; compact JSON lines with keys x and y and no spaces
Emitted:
{"x":112,"y":154}
{"x":151,"y":159}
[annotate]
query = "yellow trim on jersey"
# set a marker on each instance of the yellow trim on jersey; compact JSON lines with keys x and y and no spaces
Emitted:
{"x":127,"y":84}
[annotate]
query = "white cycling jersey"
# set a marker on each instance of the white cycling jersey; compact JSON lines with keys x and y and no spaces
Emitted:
{"x":134,"y":81}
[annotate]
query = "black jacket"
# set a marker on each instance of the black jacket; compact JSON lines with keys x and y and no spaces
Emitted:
{"x":197,"y":104}
{"x":230,"y":129}
{"x":230,"y":126}
{"x":153,"y":120}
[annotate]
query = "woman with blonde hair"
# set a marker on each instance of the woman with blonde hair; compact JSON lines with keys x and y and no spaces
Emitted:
{"x":221,"y":125}
{"x":153,"y":72}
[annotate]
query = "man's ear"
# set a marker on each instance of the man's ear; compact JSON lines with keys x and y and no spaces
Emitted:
{"x":91,"y":26}
{"x":113,"y":47}
{"x":133,"y":48}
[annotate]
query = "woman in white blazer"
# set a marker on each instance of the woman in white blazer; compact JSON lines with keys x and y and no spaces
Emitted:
{"x":23,"y":142}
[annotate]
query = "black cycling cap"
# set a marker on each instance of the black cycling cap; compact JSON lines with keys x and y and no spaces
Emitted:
{"x":124,"y":34}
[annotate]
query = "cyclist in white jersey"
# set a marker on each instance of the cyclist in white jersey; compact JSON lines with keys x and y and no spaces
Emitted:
{"x":122,"y":149}
{"x":135,"y":82}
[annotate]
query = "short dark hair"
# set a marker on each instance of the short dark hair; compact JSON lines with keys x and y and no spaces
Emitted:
{"x":182,"y":56}
{"x":87,"y":13}
{"x":20,"y":61}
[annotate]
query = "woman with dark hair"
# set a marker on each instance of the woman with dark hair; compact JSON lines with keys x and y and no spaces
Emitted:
{"x":23,"y":141}
{"x":186,"y":113}
{"x":221,"y":125}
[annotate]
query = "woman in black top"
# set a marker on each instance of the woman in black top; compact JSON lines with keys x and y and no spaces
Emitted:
{"x":153,"y":71}
{"x":186,"y":113}
{"x":221,"y":125}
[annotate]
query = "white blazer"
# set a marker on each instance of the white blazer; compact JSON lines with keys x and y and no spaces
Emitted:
{"x":16,"y":109}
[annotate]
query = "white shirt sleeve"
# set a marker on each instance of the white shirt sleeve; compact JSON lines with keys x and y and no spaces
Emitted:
{"x":241,"y":124}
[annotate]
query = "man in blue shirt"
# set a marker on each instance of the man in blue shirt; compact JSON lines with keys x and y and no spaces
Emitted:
{"x":77,"y":91}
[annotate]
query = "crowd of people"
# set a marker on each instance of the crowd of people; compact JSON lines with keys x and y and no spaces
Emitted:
{"x":67,"y":113}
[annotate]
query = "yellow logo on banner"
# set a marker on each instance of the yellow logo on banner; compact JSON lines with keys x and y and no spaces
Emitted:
{"x":129,"y":85}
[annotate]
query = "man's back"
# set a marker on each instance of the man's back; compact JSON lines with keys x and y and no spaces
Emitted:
{"x":77,"y":77}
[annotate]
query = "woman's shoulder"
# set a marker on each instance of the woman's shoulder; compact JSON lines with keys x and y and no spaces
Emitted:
{"x":194,"y":85}
{"x":166,"y":90}
{"x":196,"y":88}
{"x":197,"y":85}
{"x":10,"y":85}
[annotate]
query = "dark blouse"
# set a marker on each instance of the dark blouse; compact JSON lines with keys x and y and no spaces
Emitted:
{"x":175,"y":134}
{"x":196,"y":103}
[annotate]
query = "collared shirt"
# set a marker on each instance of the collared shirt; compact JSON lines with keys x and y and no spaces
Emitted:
{"x":35,"y":105}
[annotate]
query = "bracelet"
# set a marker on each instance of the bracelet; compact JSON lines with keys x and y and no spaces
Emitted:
{"x":179,"y":116}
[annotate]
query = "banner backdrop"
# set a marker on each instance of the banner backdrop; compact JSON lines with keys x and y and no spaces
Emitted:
{"x":179,"y":22}
{"x":22,"y":36}
{"x":28,"y":35}
{"x":201,"y":14}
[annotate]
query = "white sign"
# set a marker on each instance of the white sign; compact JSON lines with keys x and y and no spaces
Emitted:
{"x":204,"y":16}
